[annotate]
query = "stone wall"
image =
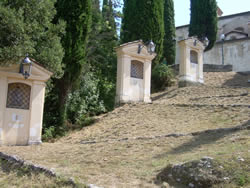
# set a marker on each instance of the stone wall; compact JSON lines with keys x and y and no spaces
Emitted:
{"x":239,"y":22}
{"x":236,"y":22}
{"x":207,"y":68}
{"x":236,"y":53}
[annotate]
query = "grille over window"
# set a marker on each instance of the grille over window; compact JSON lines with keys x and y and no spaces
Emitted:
{"x":137,"y":69}
{"x":18,"y":96}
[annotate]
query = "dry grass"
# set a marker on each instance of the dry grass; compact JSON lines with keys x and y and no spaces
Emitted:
{"x":112,"y":162}
{"x":12,"y":176}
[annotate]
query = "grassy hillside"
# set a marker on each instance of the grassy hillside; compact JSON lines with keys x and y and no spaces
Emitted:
{"x":129,"y":146}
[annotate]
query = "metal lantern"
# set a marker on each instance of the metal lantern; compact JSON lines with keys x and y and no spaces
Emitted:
{"x":151,"y":47}
{"x":25,"y":68}
{"x":206,"y":41}
{"x":222,"y":37}
{"x":195,"y":42}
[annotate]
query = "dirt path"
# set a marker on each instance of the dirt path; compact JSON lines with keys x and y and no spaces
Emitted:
{"x":115,"y":157}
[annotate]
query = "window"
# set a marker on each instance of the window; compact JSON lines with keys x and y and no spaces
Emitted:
{"x":193,"y":56}
{"x":136,"y":69}
{"x":18,"y":96}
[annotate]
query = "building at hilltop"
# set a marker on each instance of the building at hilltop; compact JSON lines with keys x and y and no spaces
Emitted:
{"x":234,"y":49}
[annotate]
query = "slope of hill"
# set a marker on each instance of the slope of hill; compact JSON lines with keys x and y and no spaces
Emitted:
{"x":129,"y":146}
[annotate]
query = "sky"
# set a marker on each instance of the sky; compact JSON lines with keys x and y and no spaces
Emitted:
{"x":182,"y":9}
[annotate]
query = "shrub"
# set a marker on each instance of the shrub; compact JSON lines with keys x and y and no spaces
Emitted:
{"x":84,"y":102}
{"x":48,"y":133}
{"x":162,"y":77}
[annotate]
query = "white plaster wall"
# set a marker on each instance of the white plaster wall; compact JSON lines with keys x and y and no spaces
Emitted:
{"x":228,"y":24}
{"x":136,"y":89}
{"x":194,"y":72}
{"x":225,"y":25}
{"x":236,"y":53}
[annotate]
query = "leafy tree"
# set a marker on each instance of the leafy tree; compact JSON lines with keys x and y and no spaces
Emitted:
{"x":143,"y":19}
{"x":101,"y":56}
{"x":77,"y":15}
{"x":203,"y":21}
{"x":26,"y":27}
{"x":169,"y":26}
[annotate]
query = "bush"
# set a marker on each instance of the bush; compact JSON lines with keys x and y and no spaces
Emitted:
{"x":162,"y":77}
{"x":85,"y":101}
{"x":48,"y":133}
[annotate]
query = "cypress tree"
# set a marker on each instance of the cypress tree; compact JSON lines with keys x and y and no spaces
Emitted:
{"x":104,"y":7}
{"x":77,"y":15}
{"x":108,"y":14}
{"x":169,"y":25}
{"x":106,"y":56}
{"x":203,"y":22}
{"x":143,"y":19}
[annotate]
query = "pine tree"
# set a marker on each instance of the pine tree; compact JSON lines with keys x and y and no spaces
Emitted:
{"x":143,"y":19}
{"x":26,"y":27}
{"x":169,"y":25}
{"x":77,"y":15}
{"x":203,"y":22}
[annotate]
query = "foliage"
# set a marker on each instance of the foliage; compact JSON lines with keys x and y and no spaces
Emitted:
{"x":85,"y":89}
{"x":26,"y":27}
{"x":143,"y":19}
{"x":169,"y":26}
{"x":48,"y":133}
{"x":78,"y":22}
{"x":203,"y":22}
{"x":101,"y":55}
{"x":84,"y":102}
{"x":162,"y":77}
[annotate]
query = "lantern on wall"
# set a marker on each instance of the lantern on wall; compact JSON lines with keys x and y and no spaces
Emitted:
{"x":150,"y":47}
{"x":206,"y":42}
{"x":25,"y":67}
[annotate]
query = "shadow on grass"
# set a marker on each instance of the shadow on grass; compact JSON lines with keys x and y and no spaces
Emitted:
{"x":163,"y":95}
{"x":204,"y":138}
{"x":239,"y":80}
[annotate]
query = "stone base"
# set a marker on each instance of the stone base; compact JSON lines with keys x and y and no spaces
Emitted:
{"x":122,"y":102}
{"x":34,"y":142}
{"x":185,"y":83}
{"x":126,"y":100}
{"x":148,"y":101}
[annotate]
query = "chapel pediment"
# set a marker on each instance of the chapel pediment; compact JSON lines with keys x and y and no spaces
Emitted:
{"x":38,"y":71}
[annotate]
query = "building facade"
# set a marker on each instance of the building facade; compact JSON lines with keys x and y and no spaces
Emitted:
{"x":233,"y":50}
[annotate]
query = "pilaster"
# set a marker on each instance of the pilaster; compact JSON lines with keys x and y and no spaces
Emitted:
{"x":147,"y":81}
{"x":124,"y":80}
{"x":3,"y":97}
{"x":200,"y":67}
{"x":36,"y":114}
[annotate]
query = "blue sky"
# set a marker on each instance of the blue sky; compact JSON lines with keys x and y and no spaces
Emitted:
{"x":182,"y":9}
